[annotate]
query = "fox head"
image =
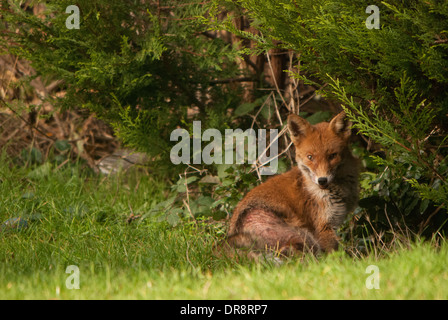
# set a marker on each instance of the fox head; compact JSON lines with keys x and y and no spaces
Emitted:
{"x":320,"y":148}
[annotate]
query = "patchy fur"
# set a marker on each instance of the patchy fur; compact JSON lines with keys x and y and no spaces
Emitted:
{"x":300,"y":210}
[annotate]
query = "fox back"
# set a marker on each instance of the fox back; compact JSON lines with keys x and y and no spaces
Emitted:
{"x":300,"y":210}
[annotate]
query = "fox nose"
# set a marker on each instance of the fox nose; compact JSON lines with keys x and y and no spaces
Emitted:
{"x":322,"y":181}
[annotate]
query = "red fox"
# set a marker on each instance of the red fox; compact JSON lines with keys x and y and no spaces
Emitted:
{"x":299,"y":210}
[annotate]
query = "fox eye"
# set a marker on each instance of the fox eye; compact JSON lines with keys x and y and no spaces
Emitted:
{"x":310,"y":157}
{"x":332,"y":156}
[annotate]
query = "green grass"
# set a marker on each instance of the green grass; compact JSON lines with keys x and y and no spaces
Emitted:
{"x":78,"y":219}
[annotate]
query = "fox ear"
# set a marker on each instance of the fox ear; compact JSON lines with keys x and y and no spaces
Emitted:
{"x":298,"y":127}
{"x":341,"y":125}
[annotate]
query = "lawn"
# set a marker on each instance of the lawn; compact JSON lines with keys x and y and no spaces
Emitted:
{"x":70,"y":218}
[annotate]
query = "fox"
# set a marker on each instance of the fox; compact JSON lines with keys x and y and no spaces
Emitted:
{"x":299,"y":211}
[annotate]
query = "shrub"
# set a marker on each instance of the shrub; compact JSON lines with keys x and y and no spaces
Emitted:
{"x":142,"y":66}
{"x":392,"y":82}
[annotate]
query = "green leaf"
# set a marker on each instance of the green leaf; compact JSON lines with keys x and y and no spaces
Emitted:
{"x":34,"y":155}
{"x":222,"y":171}
{"x":245,"y":108}
{"x":173,"y":219}
{"x":41,"y":171}
{"x":209,"y":179}
{"x":319,"y":116}
{"x":62,"y":145}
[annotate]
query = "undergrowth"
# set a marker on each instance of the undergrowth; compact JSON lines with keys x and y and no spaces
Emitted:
{"x":100,"y":224}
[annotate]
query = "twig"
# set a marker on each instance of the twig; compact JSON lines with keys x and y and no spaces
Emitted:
{"x":187,"y":202}
{"x":186,"y":255}
{"x":295,"y":85}
{"x":312,"y":96}
{"x":267,"y":148}
{"x":423,"y":225}
{"x":259,"y":110}
{"x":262,"y":164}
{"x":201,"y":171}
{"x":275,"y":81}
{"x":62,"y":164}
{"x":281,"y":123}
{"x":26,"y":121}
{"x":242,"y":79}
{"x":13,"y":67}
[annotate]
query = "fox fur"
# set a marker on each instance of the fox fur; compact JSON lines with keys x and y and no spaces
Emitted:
{"x":300,"y":210}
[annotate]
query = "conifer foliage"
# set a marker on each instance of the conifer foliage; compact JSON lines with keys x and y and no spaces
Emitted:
{"x":139,"y":65}
{"x":387,"y":64}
